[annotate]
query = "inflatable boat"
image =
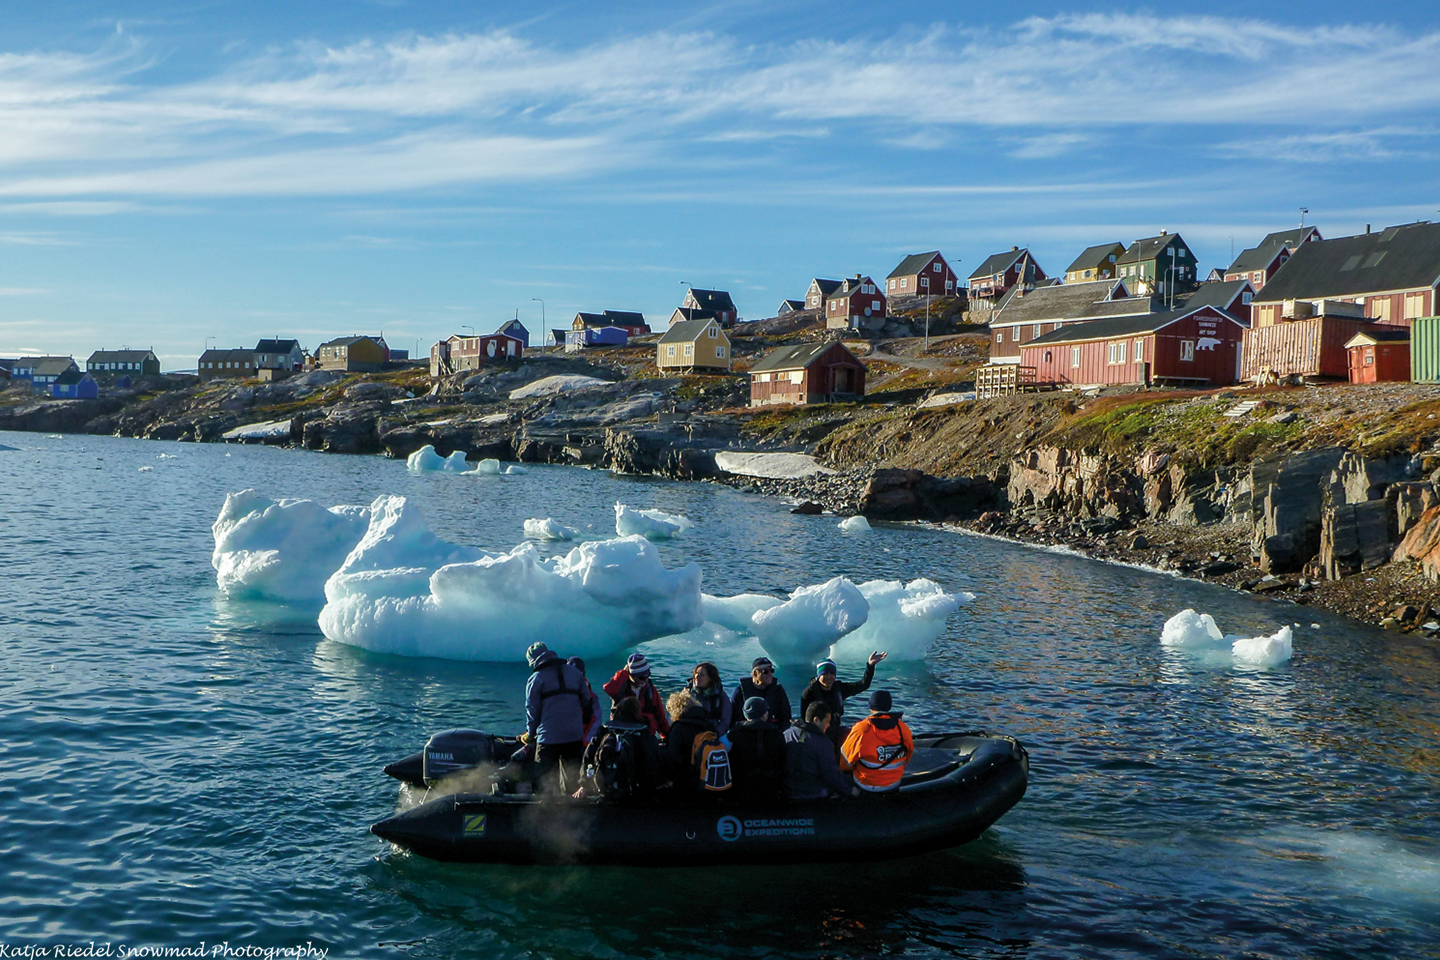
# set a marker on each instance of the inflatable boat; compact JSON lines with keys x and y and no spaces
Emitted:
{"x":954,"y":788}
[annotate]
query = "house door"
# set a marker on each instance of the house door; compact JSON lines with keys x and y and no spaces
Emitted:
{"x":843,"y":380}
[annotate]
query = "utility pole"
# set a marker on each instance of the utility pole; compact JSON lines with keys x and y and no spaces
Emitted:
{"x":544,"y":331}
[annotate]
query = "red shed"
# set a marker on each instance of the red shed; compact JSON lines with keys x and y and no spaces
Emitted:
{"x":1191,"y":346}
{"x":1379,"y":355}
{"x":807,"y":373}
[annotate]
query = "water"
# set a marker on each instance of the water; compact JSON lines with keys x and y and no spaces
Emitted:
{"x":176,"y":768}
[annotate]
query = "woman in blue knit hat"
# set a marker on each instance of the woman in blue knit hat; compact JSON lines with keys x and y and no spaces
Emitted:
{"x":826,"y":689}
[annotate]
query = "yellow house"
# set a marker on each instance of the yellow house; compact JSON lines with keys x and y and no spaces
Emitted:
{"x":692,"y":345}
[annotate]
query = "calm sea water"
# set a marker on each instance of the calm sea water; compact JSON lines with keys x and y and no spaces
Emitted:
{"x":177,"y":768}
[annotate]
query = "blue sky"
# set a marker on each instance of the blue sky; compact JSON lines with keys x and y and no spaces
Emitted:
{"x":173,"y":172}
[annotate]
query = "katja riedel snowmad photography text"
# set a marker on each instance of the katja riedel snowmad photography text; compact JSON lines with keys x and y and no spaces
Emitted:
{"x":634,"y":480}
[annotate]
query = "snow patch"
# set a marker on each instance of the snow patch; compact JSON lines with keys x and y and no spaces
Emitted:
{"x":775,"y":466}
{"x":558,"y":384}
{"x":403,"y":591}
{"x":281,"y":549}
{"x":549,"y":529}
{"x":803,"y":628}
{"x":426,"y":460}
{"x":905,"y":619}
{"x":267,"y":430}
{"x":855,"y":524}
{"x":650,"y":524}
{"x":945,"y":399}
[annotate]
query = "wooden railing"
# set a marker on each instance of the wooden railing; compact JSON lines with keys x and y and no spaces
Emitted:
{"x":1003,"y":379}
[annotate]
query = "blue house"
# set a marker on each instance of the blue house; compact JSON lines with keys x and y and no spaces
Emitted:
{"x":576,"y":340}
{"x":43,"y":371}
{"x":516,"y":329}
{"x":74,"y":385}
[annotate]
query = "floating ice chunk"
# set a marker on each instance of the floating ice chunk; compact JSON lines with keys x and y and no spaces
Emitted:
{"x":514,"y":470}
{"x":282,"y":549}
{"x":1191,"y":630}
{"x":489,"y":467}
{"x":803,"y":628}
{"x":737,"y":613}
{"x":53,"y":436}
{"x":650,"y":524}
{"x":855,"y":524}
{"x":600,"y":597}
{"x":147,"y":469}
{"x":905,"y":619}
{"x":167,"y":456}
{"x":548,"y":529}
{"x":3,"y":447}
{"x":426,"y":459}
{"x":556,"y":384}
{"x":1265,"y":651}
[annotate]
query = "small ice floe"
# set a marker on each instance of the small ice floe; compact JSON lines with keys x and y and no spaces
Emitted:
{"x":267,"y":430}
{"x":1189,"y":630}
{"x":650,"y":524}
{"x":4,"y":448}
{"x":489,"y":467}
{"x":855,"y":524}
{"x":147,"y":469}
{"x":514,"y":470}
{"x":167,"y":456}
{"x":549,"y":529}
{"x":53,"y":436}
{"x":426,"y":460}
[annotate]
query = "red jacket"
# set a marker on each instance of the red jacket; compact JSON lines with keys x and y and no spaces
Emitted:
{"x":651,"y":707}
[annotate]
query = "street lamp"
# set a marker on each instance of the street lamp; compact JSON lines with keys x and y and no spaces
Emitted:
{"x":543,"y":329}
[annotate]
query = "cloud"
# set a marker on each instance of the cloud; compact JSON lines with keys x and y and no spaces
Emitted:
{"x":417,"y":112}
{"x":34,"y":239}
{"x":1378,"y":143}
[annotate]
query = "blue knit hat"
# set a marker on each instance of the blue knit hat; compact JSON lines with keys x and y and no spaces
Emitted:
{"x":825,"y":666}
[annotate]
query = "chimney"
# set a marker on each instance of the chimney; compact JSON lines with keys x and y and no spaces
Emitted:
{"x":1367,"y":229}
{"x":1014,"y":249}
{"x":1164,"y":233}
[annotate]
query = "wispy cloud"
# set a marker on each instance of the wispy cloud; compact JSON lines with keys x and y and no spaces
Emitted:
{"x":34,"y":239}
{"x":21,"y":291}
{"x":1376,"y":143}
{"x":381,"y":117}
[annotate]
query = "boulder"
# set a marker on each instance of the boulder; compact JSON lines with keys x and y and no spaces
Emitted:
{"x":1422,"y":544}
{"x":371,"y":390}
{"x":809,"y":508}
{"x":1355,"y":537}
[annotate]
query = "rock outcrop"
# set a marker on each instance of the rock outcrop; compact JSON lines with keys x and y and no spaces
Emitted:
{"x":913,"y":495}
{"x":1422,"y":544}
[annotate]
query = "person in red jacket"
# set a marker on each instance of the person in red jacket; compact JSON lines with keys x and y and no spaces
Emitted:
{"x":879,"y":746}
{"x":633,"y":680}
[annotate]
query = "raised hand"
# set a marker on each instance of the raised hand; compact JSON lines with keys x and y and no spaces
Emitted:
{"x":877,"y":656}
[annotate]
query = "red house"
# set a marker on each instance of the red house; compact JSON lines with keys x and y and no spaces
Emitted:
{"x":1191,"y":346}
{"x":1259,"y":263}
{"x":854,"y":302}
{"x":1379,"y":355}
{"x":922,"y":275}
{"x":1232,"y":296}
{"x":1001,"y":271}
{"x":456,"y":353}
{"x":807,"y":373}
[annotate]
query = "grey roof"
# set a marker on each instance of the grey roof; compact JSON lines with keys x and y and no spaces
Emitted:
{"x":625,"y":318}
{"x":1290,"y":238}
{"x":1381,"y":334}
{"x":513,"y":322}
{"x":692,"y":313}
{"x":1217,"y":293}
{"x":348,"y":341}
{"x":71,"y":376}
{"x":1403,"y":257}
{"x":794,"y":357}
{"x":1148,"y":248}
{"x":913,"y":264}
{"x":122,"y":356}
{"x":827,"y":287}
{"x":239,"y":353}
{"x":1257,"y":258}
{"x":717,"y":300}
{"x":1070,"y":301}
{"x":1093,"y":256}
{"x":849,"y":285}
{"x":998,"y":263}
{"x":595,"y":319}
{"x":52,"y":366}
{"x":276,"y":346}
{"x":792,"y":305}
{"x":1116,"y":327}
{"x":686,"y":331}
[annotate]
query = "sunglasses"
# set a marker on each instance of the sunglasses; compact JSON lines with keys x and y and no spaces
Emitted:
{"x":765,"y":669}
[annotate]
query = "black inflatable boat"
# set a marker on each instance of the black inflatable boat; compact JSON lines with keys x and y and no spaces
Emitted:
{"x":954,"y":788}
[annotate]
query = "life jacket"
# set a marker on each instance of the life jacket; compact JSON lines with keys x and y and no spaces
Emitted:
{"x":616,"y":762}
{"x":581,"y":693}
{"x":877,"y":750}
{"x":711,"y":762}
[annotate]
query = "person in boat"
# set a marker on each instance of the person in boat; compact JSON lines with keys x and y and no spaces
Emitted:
{"x":633,"y":680}
{"x":555,"y":720}
{"x":833,"y":693}
{"x":686,"y":750}
{"x":762,"y":683}
{"x":705,"y":686}
{"x":597,"y":719}
{"x":879,"y":746}
{"x":757,"y":754}
{"x":811,"y":769}
{"x":623,"y":762}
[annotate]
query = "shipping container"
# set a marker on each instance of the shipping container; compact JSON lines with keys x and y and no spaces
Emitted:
{"x":1425,"y":350}
{"x":1305,"y":348}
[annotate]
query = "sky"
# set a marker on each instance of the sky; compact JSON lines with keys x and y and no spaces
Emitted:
{"x":176,"y":175}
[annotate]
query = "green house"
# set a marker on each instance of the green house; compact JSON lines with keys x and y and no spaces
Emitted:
{"x":1160,"y":266}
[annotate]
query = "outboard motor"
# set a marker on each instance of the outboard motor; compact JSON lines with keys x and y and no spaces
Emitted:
{"x":455,"y":750}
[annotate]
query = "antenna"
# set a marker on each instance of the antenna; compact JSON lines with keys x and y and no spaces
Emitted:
{"x":1303,"y":211}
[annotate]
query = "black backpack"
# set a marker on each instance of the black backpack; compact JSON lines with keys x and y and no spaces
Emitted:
{"x":616,"y":762}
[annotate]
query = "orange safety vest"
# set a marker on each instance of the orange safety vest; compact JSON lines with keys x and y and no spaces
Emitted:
{"x":877,"y":750}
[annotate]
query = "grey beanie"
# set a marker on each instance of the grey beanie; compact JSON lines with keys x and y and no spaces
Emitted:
{"x":756,"y":708}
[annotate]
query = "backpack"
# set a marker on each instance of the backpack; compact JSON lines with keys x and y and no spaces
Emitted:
{"x":613,"y":773}
{"x":711,"y":762}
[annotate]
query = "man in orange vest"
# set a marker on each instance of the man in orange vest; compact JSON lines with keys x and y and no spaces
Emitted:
{"x":879,"y":746}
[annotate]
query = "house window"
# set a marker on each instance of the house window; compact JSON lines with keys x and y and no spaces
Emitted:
{"x":1414,"y":305}
{"x":1035,"y":331}
{"x":689,"y":349}
{"x":904,"y":283}
{"x":935,"y":266}
{"x":1000,"y":337}
{"x":1015,"y":334}
{"x":1117,"y":352}
{"x":1075,"y":357}
{"x":1381,"y":307}
{"x":1246,"y":297}
{"x":1047,"y":356}
{"x":670,"y":351}
{"x":720,"y":352}
{"x":713,"y":332}
{"x":874,"y":304}
{"x":1369,"y":358}
{"x":1187,"y":350}
{"x":1139,"y":350}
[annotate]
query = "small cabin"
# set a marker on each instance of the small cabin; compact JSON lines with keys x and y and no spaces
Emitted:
{"x":1379,"y":356}
{"x":807,"y":373}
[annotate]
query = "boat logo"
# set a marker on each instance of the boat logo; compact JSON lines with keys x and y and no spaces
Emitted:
{"x":474,"y":824}
{"x":729,"y":828}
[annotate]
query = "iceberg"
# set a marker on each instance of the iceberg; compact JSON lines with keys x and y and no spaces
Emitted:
{"x":737,"y":613}
{"x":282,"y":549}
{"x":489,"y":467}
{"x":515,"y":471}
{"x":426,"y":459}
{"x":1264,"y":651}
{"x":650,"y":524}
{"x":855,"y":524}
{"x":1188,"y":630}
{"x":1191,"y":630}
{"x":394,"y":595}
{"x":905,"y":619}
{"x":803,"y":628}
{"x":549,"y":529}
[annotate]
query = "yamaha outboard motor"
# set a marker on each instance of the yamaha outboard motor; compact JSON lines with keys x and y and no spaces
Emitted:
{"x":455,"y":750}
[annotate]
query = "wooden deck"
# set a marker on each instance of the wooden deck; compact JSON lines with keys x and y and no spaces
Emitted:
{"x":1003,"y":380}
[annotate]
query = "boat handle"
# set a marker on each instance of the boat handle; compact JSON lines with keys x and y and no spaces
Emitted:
{"x":689,"y":835}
